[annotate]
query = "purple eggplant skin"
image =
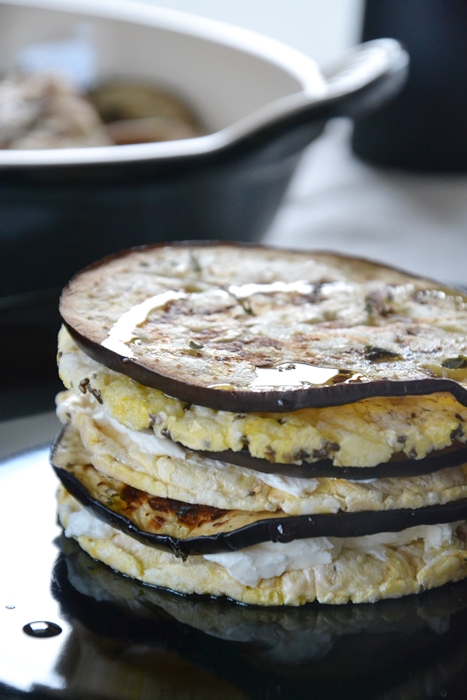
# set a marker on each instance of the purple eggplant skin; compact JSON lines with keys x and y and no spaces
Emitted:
{"x":453,"y":456}
{"x":284,"y":529}
{"x":275,"y":401}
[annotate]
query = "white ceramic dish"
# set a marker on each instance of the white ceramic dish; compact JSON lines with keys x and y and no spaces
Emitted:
{"x":224,"y":72}
{"x":261,"y":102}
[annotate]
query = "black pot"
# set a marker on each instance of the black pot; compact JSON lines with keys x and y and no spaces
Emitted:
{"x":424,"y":128}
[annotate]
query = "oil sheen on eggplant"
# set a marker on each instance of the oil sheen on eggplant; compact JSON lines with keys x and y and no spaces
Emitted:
{"x":249,"y":328}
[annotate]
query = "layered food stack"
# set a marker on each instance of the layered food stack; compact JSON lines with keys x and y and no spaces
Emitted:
{"x":272,"y":426}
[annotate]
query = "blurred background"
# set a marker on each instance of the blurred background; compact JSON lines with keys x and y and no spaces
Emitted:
{"x":343,"y":196}
{"x":322,"y":30}
{"x":415,"y":220}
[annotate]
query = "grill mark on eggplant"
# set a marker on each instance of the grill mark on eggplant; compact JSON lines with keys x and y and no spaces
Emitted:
{"x":157,"y":512}
{"x":193,"y":516}
{"x":272,"y":529}
{"x":277,"y":401}
{"x":173,"y":383}
{"x":266,"y":527}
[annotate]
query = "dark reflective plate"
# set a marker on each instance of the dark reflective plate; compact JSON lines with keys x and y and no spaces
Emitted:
{"x":72,"y":628}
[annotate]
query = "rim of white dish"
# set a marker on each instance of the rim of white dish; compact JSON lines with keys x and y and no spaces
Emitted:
{"x":298,"y":65}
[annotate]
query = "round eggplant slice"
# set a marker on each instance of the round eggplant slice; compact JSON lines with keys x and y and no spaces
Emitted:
{"x":272,"y":528}
{"x":246,"y":328}
{"x":127,"y":509}
{"x":399,"y":465}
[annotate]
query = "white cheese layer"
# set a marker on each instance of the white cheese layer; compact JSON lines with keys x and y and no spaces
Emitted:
{"x":269,"y":559}
{"x":146,"y":440}
{"x":82,"y":523}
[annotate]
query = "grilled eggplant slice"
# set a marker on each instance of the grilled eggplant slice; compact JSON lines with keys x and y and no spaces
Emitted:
{"x":399,"y":465}
{"x":363,"y":434}
{"x":191,"y":478}
{"x":186,"y":529}
{"x":249,"y":328}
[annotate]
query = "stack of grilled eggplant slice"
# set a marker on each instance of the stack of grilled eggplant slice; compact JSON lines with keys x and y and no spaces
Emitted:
{"x":272,"y":426}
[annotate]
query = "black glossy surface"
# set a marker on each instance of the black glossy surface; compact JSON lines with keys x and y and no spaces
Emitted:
{"x":123,"y":640}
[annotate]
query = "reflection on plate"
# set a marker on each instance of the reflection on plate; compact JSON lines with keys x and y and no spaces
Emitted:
{"x":385,"y":650}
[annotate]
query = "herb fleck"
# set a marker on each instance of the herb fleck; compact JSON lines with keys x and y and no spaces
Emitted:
{"x":194,"y":262}
{"x":97,"y":395}
{"x":455,"y":362}
{"x":83,"y":385}
{"x":246,"y":304}
{"x":457,"y":433}
{"x":375,"y":354}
